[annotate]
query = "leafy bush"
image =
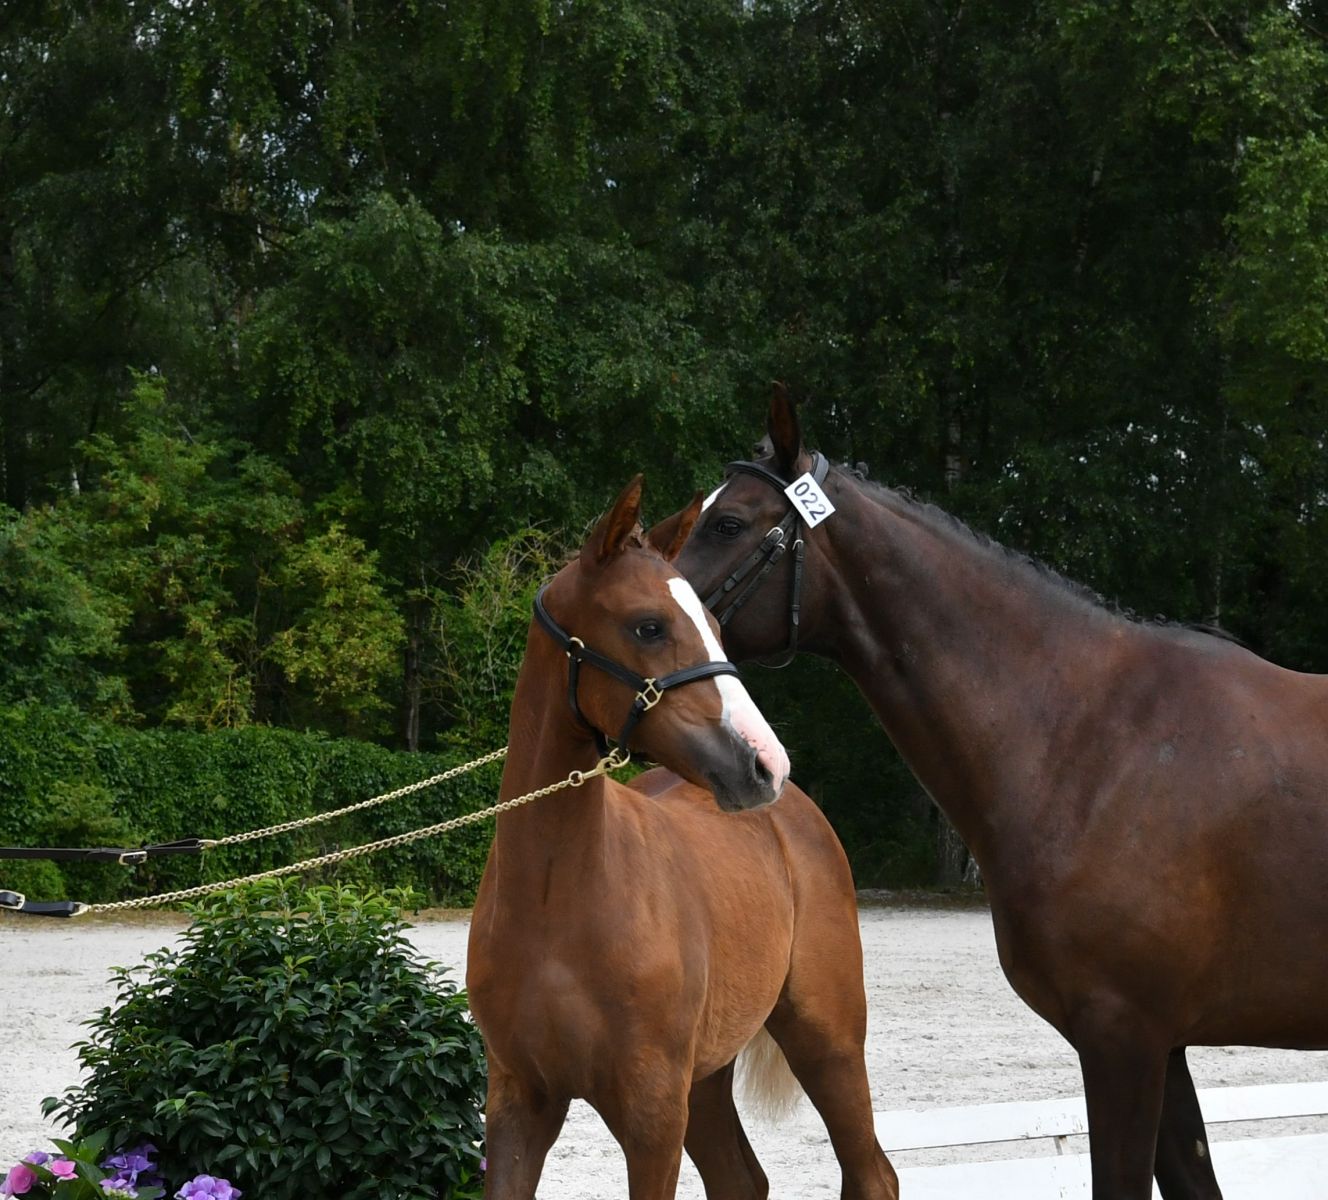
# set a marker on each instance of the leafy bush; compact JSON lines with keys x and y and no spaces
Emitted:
{"x":296,"y":1044}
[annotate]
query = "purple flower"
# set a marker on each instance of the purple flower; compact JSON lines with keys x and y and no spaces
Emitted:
{"x":119,"y":1188}
{"x":62,"y":1168}
{"x":206,"y":1186}
{"x":128,"y":1164}
{"x":37,"y":1158}
{"x":133,"y":1167}
{"x":20,"y":1178}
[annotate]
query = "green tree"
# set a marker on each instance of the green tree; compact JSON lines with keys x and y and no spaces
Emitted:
{"x":424,"y":276}
{"x":59,"y":637}
{"x":200,"y":577}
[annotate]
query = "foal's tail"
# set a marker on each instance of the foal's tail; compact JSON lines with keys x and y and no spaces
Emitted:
{"x":770,"y":1091}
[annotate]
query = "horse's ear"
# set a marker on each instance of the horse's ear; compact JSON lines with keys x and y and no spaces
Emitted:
{"x":668,"y":535}
{"x":785,"y":433}
{"x":616,"y":527}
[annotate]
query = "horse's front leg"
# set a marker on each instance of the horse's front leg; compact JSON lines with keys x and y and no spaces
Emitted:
{"x":1184,"y":1168}
{"x":647,"y":1113}
{"x":1124,"y":1065}
{"x":521,"y":1123}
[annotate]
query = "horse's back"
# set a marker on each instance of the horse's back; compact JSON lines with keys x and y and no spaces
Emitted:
{"x":825,"y":946}
{"x":805,"y":836}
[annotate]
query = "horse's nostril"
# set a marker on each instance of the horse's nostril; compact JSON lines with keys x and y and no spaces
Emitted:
{"x":761,"y":771}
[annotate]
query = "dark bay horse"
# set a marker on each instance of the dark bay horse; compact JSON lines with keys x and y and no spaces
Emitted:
{"x":1148,"y":804}
{"x":628,"y":941}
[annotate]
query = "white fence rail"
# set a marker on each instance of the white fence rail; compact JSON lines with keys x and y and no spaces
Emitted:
{"x":1288,"y":1168}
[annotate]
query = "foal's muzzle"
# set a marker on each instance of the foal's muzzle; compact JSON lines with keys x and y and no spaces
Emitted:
{"x":735,"y":773}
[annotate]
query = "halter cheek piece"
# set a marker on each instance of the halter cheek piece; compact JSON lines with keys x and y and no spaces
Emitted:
{"x":649,"y":691}
{"x":762,"y":560}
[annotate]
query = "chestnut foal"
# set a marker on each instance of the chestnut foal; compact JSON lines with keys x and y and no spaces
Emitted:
{"x":629,"y":941}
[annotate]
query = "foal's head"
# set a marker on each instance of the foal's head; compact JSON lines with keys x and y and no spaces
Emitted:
{"x":623,"y":600}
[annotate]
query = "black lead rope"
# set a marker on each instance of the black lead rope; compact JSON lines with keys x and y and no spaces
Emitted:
{"x":19,"y":903}
{"x":764,"y":558}
{"x":116,"y":854}
{"x":649,"y":691}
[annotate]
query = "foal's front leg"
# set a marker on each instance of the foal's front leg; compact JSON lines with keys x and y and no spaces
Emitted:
{"x":520,"y":1125}
{"x":647,"y":1113}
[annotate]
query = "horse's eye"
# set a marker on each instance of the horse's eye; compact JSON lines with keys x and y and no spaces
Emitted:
{"x":650,"y":630}
{"x":727,"y":527}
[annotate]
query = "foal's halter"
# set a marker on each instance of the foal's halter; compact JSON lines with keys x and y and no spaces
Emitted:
{"x":649,"y":691}
{"x":772,"y":548}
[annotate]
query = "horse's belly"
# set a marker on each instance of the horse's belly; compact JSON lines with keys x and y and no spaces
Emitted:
{"x":1250,"y":977}
{"x":1277,"y":996}
{"x":583,"y":1026}
{"x":731,"y":1018}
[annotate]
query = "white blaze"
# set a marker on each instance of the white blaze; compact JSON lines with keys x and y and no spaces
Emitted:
{"x":740,"y":711}
{"x":710,"y":499}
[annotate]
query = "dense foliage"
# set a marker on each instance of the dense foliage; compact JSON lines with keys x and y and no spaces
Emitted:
{"x":303,"y":304}
{"x":69,"y":780}
{"x":296,"y":1045}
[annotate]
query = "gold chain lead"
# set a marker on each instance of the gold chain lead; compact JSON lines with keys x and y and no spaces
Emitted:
{"x":610,"y":762}
{"x":253,"y":835}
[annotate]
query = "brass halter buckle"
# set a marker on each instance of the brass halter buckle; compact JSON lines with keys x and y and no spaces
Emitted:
{"x":649,"y":695}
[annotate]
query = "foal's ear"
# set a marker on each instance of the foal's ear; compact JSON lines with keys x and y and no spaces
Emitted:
{"x":668,"y":535}
{"x":616,"y":527}
{"x":785,"y":433}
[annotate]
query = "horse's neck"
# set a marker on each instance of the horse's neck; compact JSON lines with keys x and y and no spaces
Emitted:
{"x":545,"y":744}
{"x":972,"y":661}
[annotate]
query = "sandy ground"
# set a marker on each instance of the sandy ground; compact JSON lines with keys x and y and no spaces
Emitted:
{"x":945,"y":1030}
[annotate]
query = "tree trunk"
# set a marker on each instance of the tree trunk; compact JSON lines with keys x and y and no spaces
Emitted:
{"x":410,"y":713}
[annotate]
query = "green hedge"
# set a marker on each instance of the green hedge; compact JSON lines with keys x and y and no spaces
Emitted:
{"x":68,"y":780}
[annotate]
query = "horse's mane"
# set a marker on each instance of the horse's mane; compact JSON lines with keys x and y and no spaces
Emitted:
{"x":1026,"y":562}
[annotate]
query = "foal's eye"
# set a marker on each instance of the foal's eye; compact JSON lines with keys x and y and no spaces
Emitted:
{"x":650,"y":630}
{"x":727,"y":527}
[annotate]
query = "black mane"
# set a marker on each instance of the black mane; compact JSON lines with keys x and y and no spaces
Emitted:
{"x":1018,"y":558}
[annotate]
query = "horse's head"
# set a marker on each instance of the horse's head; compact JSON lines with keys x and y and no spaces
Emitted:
{"x":646,"y":660}
{"x":753,"y":555}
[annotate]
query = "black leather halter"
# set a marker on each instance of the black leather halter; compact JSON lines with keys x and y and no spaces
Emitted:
{"x":788,"y":533}
{"x":649,"y":691}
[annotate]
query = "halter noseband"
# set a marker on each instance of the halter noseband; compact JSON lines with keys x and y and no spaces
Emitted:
{"x":649,"y":691}
{"x":772,"y":548}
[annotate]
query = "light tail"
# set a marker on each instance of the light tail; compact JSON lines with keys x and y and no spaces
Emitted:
{"x":768,"y":1088}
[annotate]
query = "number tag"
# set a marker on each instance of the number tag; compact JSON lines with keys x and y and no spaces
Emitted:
{"x":806,"y":496}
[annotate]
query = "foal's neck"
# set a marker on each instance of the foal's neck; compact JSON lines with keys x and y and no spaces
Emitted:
{"x":974,"y":661}
{"x":545,"y":744}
